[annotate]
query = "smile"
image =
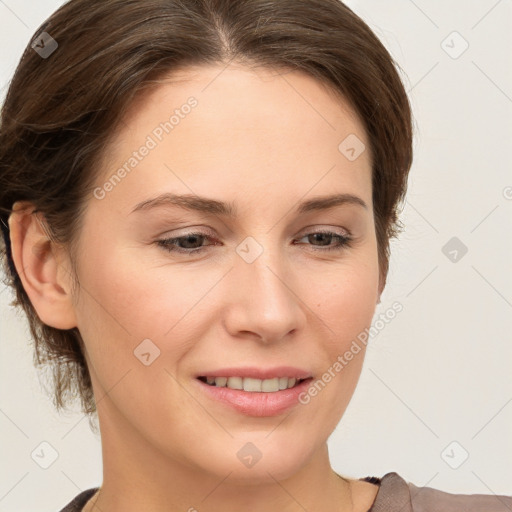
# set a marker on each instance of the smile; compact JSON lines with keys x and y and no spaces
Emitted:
{"x":253,"y":385}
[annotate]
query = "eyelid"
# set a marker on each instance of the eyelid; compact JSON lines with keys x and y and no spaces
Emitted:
{"x":205,"y":231}
{"x":345,"y":241}
{"x":187,"y":231}
{"x":318,"y":228}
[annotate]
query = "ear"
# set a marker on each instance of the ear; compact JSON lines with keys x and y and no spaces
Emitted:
{"x":41,"y":265}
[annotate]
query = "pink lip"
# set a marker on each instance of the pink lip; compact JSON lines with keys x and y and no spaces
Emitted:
{"x":257,"y":404}
{"x":258,"y":373}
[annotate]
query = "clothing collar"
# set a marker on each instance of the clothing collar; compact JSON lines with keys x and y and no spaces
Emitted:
{"x":394,"y":495}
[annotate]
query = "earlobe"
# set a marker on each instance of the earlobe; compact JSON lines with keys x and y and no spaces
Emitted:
{"x":36,"y":258}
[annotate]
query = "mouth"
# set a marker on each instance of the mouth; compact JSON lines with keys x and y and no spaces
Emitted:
{"x":253,"y":385}
{"x":251,"y":396}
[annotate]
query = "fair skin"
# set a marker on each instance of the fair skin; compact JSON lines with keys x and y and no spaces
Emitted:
{"x":265,"y":143}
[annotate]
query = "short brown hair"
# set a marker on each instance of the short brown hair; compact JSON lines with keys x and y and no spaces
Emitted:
{"x":60,"y":111}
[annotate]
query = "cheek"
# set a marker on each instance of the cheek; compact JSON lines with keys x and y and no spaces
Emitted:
{"x":348,"y":311}
{"x":345,"y":308}
{"x":133,"y":297}
{"x":117,"y":310}
{"x":124,"y":303}
{"x":345,"y":311}
{"x":347,"y":302}
{"x":130,"y":296}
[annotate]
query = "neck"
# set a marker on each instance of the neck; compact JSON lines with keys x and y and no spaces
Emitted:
{"x":137,"y":476}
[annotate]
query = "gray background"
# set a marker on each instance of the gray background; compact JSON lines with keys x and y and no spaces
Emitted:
{"x":436,"y":383}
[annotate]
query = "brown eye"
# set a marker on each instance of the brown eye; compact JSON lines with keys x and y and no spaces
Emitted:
{"x":191,"y":243}
{"x":325,"y":238}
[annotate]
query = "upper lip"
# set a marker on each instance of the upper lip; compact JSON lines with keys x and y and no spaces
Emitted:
{"x":258,"y":373}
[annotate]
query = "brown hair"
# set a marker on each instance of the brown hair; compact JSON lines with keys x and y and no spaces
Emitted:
{"x":60,"y":111}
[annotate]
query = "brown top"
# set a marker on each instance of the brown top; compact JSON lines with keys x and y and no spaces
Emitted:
{"x":394,"y":495}
{"x":397,"y":495}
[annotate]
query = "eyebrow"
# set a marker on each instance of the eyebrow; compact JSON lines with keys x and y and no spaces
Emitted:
{"x":211,"y":206}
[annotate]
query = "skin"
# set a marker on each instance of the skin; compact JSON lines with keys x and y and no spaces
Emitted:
{"x":265,"y":141}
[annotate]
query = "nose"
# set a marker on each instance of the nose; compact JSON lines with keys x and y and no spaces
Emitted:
{"x":264,"y":301}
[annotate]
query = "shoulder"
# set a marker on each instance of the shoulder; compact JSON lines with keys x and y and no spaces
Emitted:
{"x":79,"y":501}
{"x":395,"y":493}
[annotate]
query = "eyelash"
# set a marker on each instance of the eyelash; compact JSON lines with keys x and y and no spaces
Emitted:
{"x":169,"y":244}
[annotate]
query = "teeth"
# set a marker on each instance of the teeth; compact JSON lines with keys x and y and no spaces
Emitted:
{"x":270,"y":385}
{"x":235,"y":383}
{"x":220,"y":381}
{"x":253,"y":385}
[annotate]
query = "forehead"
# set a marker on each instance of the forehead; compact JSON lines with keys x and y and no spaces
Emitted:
{"x":240,"y":84}
{"x":243,"y":94}
{"x":255,"y":131}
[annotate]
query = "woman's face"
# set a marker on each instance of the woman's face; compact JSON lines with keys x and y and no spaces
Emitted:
{"x":264,"y":297}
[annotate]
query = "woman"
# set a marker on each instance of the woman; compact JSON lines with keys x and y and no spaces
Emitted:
{"x":197,"y":202}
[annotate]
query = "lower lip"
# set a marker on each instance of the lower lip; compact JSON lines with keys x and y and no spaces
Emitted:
{"x":256,"y":403}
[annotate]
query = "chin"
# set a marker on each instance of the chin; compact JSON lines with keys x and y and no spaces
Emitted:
{"x":262,"y":458}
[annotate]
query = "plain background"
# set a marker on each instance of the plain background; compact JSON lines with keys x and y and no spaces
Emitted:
{"x":436,"y":386}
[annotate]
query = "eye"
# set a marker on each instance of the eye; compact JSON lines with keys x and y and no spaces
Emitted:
{"x":192,"y":243}
{"x":188,"y":240}
{"x":325,"y":237}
